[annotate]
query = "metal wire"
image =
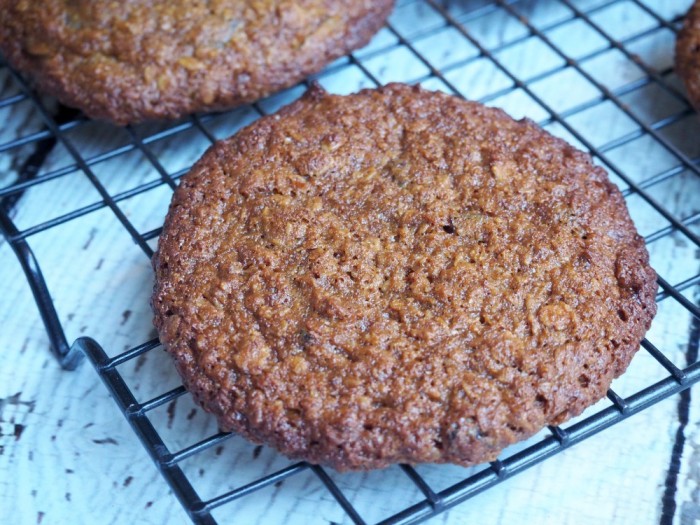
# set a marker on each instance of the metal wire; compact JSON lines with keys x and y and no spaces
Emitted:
{"x":433,"y":501}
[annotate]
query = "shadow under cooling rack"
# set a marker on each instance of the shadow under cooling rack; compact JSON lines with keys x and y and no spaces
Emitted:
{"x":592,"y":71}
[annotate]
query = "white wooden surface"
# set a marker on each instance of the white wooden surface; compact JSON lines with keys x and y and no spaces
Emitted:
{"x":67,"y":455}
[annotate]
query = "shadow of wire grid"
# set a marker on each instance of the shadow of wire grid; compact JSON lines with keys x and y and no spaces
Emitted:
{"x":602,"y":79}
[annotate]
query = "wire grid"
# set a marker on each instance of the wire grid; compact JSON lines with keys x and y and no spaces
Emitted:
{"x":432,"y":20}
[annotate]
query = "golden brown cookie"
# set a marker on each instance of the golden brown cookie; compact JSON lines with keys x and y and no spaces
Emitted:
{"x":688,"y":54}
{"x":398,"y":276}
{"x":132,"y":60}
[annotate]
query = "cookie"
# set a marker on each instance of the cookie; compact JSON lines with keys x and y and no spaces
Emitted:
{"x":131,"y":61}
{"x":395,"y":276}
{"x":688,"y":54}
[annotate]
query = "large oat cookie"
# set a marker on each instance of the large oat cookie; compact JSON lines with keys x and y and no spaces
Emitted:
{"x":688,"y":53}
{"x":134,"y":60}
{"x":398,"y":276}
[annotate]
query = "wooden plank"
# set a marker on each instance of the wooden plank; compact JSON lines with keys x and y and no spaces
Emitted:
{"x":66,"y":455}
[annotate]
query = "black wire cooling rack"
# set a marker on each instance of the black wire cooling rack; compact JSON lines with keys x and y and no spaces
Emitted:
{"x":428,"y":22}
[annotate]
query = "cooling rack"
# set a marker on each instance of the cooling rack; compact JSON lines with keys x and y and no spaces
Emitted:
{"x":602,"y":79}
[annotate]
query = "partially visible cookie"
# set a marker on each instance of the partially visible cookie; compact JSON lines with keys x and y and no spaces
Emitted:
{"x":688,"y":53}
{"x":398,"y":276}
{"x":134,"y":60}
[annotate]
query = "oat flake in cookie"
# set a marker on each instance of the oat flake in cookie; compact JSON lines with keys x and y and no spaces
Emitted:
{"x":134,"y":60}
{"x":398,"y":276}
{"x":688,"y":54}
